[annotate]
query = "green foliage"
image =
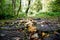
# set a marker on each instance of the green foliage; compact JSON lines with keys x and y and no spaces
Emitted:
{"x":36,"y":6}
{"x":6,"y":16}
{"x":48,"y":15}
{"x":22,"y":15}
{"x":55,"y":5}
{"x":6,"y":11}
{"x":54,"y":14}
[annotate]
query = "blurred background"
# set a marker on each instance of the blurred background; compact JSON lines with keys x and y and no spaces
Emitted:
{"x":32,"y":8}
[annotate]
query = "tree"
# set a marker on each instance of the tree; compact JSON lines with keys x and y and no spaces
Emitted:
{"x":19,"y":8}
{"x":37,"y":6}
{"x":55,"y":5}
{"x":6,"y":9}
{"x":1,"y":6}
{"x":14,"y":6}
{"x":29,"y":1}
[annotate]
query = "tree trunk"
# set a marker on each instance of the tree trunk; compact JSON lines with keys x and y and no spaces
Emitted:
{"x":28,"y":7}
{"x":2,"y":2}
{"x":14,"y":6}
{"x":19,"y":8}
